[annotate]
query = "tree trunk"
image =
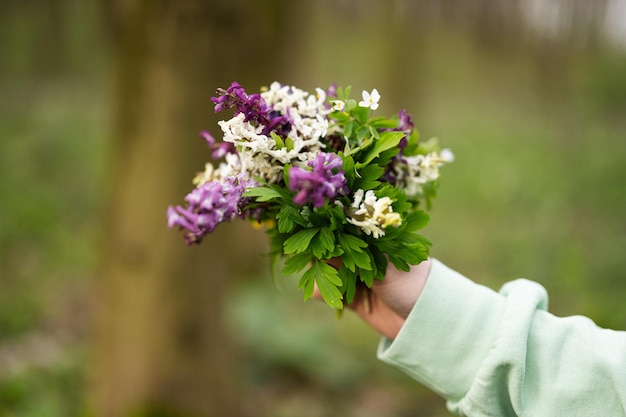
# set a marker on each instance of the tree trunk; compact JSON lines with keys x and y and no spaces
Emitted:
{"x":161,"y":346}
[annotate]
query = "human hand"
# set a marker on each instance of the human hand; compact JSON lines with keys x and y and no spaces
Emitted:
{"x":388,"y":303}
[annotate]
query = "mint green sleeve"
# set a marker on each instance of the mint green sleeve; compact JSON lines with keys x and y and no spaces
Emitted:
{"x":502,"y":354}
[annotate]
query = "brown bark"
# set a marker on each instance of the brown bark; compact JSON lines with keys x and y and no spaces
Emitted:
{"x":161,"y":343}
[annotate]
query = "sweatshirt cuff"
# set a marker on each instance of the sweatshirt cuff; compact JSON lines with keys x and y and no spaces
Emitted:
{"x":448,"y":334}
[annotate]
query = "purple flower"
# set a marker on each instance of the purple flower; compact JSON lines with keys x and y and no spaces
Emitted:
{"x":229,"y":97}
{"x":332,"y":90}
{"x":254,"y":109}
{"x":218,"y":149}
{"x":208,"y":205}
{"x":406,"y":122}
{"x":279,"y":123}
{"x":406,"y":126}
{"x":319,"y":183}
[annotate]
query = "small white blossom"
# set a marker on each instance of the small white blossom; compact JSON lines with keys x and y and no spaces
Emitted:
{"x":241,"y":133}
{"x":205,"y":176}
{"x":373,"y":214}
{"x":292,"y":100}
{"x":321,"y":97}
{"x":420,"y":169}
{"x":358,"y":197}
{"x":370,"y":99}
{"x":447,"y":155}
{"x":338,"y":105}
{"x":231,"y":167}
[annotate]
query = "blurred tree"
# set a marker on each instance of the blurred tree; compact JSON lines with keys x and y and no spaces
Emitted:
{"x":161,"y":347}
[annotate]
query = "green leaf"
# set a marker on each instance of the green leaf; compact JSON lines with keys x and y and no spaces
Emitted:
{"x":350,"y":242}
{"x":285,"y":223}
{"x":343,"y":94}
{"x":383,"y":123}
{"x":300,"y":241}
{"x":387,"y":140}
{"x":407,"y":248}
{"x":416,"y":253}
{"x":307,"y":283}
{"x":336,"y":216}
{"x":327,"y":238}
{"x":348,"y":260}
{"x":262,"y":194}
{"x":348,"y":128}
{"x":286,"y":177}
{"x":367,"y":277}
{"x":417,"y":220}
{"x":362,"y":133}
{"x":293,"y":213}
{"x":296,"y":263}
{"x":289,"y":144}
{"x":340,"y":116}
{"x":380,"y":262}
{"x":421,"y":240}
{"x":360,"y":114}
{"x":336,"y":253}
{"x":317,"y":248}
{"x":328,"y":282}
{"x":323,"y":243}
{"x":348,"y":279}
{"x":362,"y":260}
{"x":409,"y":255}
{"x":348,"y":168}
{"x":350,"y":104}
{"x":399,"y":263}
{"x":354,"y":256}
{"x":288,"y":217}
{"x":385,"y":157}
{"x":361,"y":147}
{"x":368,"y":177}
{"x":279,"y":141}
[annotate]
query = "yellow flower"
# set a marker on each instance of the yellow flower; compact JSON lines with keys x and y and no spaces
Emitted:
{"x":265,"y":224}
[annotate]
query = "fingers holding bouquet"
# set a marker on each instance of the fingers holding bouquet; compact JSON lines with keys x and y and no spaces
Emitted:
{"x":386,"y":305}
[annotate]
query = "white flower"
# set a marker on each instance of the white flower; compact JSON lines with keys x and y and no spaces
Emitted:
{"x":373,"y":214}
{"x":447,"y":155}
{"x":358,"y":197}
{"x":204,"y":177}
{"x":305,"y":111}
{"x":420,"y":169}
{"x":338,"y":105}
{"x":321,"y":97}
{"x":258,"y":155}
{"x":370,"y":99}
{"x":231,"y":167}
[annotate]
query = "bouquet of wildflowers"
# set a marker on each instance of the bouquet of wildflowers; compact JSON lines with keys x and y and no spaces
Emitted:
{"x":328,"y":179}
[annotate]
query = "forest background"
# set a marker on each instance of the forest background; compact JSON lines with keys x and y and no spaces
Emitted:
{"x":105,"y":312}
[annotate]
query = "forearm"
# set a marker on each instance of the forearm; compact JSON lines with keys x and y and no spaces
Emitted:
{"x":500,"y":354}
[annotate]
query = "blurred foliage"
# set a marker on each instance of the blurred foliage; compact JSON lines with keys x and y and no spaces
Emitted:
{"x":537,"y":190}
{"x":50,"y":391}
{"x":52,"y":158}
